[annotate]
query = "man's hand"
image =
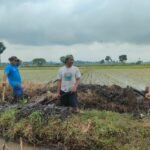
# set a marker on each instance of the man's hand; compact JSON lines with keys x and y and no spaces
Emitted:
{"x":74,"y":88}
{"x":4,"y":84}
{"x":147,"y":95}
{"x":58,"y":94}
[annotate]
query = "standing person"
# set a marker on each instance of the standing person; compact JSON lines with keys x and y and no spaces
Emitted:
{"x":11,"y":72}
{"x":68,"y":81}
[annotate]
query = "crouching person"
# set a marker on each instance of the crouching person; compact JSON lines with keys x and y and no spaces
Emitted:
{"x":11,"y":73}
{"x":68,"y":81}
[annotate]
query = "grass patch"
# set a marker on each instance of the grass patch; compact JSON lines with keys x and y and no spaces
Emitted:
{"x":90,"y":130}
{"x":35,"y":118}
{"x":7,"y":121}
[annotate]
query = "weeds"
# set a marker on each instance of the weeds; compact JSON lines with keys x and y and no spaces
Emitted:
{"x":90,"y":130}
{"x":35,"y":118}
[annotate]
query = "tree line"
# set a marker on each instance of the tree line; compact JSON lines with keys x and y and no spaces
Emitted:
{"x":41,"y":61}
{"x":109,"y":60}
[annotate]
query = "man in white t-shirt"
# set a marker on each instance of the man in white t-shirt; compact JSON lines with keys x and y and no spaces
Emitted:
{"x":68,"y":80}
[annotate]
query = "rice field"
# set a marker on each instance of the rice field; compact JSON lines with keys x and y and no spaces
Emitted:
{"x":137,"y":78}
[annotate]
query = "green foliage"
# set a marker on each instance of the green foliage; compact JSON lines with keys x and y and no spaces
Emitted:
{"x":36,"y":117}
{"x":123,"y":58}
{"x":7,"y":121}
{"x":2,"y":47}
{"x":108,"y":59}
{"x":139,"y":62}
{"x":23,"y":102}
{"x":39,"y":61}
{"x":102,"y":61}
{"x":7,"y":116}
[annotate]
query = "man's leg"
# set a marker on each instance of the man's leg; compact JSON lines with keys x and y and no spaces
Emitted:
{"x":18,"y":93}
{"x":64,"y":99}
{"x":73,"y":101}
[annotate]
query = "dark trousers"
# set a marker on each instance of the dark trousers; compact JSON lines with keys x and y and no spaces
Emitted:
{"x":69,"y":99}
{"x":18,"y":92}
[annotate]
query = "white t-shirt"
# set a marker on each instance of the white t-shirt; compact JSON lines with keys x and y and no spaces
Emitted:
{"x":68,"y":77}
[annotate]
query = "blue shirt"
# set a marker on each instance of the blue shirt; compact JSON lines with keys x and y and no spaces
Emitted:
{"x":13,"y":74}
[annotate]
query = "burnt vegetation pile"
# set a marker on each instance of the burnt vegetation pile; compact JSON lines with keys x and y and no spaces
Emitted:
{"x":110,"y":98}
{"x":113,"y":98}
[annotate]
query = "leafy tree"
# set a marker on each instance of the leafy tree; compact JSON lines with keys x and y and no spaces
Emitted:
{"x":102,"y":61}
{"x":108,"y":59}
{"x":2,"y":49}
{"x":139,"y":62}
{"x":123,"y":58}
{"x":39,"y":61}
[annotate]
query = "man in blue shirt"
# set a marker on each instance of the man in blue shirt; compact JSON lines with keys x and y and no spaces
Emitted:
{"x":12,"y":73}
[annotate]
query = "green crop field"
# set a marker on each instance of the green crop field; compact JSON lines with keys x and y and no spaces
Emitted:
{"x":135,"y":76}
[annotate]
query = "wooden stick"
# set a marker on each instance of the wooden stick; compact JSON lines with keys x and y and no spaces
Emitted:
{"x":3,"y":95}
{"x":21,"y":144}
{"x":3,"y":147}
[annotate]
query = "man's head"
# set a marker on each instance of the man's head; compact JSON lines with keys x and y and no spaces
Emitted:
{"x":13,"y":60}
{"x":67,"y":60}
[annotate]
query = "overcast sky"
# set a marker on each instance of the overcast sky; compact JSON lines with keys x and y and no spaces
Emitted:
{"x":88,"y":29}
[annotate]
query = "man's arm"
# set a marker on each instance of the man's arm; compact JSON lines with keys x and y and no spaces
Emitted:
{"x":74,"y":88}
{"x":77,"y":82}
{"x":78,"y":76}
